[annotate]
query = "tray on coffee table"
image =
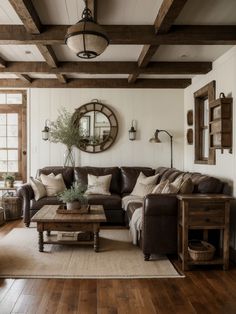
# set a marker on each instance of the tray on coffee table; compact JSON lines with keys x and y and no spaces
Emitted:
{"x":83,"y":210}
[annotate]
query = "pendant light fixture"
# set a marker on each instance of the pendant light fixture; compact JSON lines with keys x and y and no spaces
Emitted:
{"x":86,"y":38}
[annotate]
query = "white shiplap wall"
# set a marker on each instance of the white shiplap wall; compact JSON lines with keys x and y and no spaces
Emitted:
{"x":151,"y":109}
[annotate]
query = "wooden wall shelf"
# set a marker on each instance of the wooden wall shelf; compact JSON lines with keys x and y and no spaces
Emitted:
{"x":221,"y":123}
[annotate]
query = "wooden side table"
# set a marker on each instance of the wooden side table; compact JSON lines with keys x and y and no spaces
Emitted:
{"x":203,"y":212}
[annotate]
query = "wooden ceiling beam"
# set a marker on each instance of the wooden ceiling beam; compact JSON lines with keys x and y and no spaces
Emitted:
{"x":166,"y":16}
{"x":92,"y":5}
{"x":48,"y":55}
{"x":146,"y":54}
{"x":133,"y":77}
{"x":61,"y":78}
{"x":127,"y":35}
{"x":2,"y":63}
{"x":108,"y":68}
{"x":28,"y":15}
{"x":97,"y":83}
{"x":25,"y":78}
{"x":168,"y":12}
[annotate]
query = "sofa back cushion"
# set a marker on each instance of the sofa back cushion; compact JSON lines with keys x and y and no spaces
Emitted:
{"x":202,"y":183}
{"x":206,"y":184}
{"x":67,"y":173}
{"x":81,"y":176}
{"x":129,"y":177}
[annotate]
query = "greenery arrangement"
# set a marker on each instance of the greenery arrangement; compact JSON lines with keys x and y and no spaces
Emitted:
{"x":75,"y":193}
{"x":8,"y":177}
{"x":64,"y":131}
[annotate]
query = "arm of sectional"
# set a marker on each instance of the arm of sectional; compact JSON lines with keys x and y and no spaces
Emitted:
{"x":159,"y":224}
{"x":26,"y":193}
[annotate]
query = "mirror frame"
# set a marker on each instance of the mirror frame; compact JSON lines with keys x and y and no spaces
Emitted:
{"x":97,"y":106}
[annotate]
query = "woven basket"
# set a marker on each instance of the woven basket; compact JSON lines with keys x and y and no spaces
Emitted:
{"x":201,"y":250}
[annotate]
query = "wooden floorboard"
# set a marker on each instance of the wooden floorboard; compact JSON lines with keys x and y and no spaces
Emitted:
{"x":203,"y":290}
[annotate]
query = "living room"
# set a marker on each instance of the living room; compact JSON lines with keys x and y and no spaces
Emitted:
{"x":158,"y":68}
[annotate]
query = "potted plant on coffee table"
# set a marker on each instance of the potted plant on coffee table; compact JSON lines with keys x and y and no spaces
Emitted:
{"x":8,"y":180}
{"x":73,"y":197}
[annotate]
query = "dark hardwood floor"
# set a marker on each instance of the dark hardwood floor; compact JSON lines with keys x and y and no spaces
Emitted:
{"x":201,"y":291}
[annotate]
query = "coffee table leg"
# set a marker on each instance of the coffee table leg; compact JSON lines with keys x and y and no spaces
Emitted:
{"x":40,"y":241}
{"x":96,"y":241}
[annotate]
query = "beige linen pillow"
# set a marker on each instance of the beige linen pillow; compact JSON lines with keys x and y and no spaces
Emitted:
{"x":187,"y":186}
{"x":144,"y":185}
{"x":159,"y":187}
{"x":99,"y":184}
{"x":38,"y":188}
{"x":173,"y":187}
{"x":53,"y":184}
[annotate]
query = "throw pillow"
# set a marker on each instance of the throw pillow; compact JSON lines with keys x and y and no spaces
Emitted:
{"x":38,"y":188}
{"x":53,"y":184}
{"x":144,"y":185}
{"x":186,"y":187}
{"x":173,"y":187}
{"x":99,"y":184}
{"x":159,"y":187}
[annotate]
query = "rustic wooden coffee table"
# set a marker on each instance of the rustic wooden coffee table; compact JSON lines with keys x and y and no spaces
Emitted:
{"x":48,"y":219}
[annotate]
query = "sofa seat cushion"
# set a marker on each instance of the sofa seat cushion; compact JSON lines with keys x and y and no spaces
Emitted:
{"x":112,"y":201}
{"x":48,"y":200}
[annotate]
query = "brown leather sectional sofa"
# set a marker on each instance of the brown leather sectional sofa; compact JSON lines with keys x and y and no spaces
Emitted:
{"x":159,"y":223}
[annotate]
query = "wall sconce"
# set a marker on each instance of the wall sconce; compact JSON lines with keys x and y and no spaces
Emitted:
{"x":156,"y":139}
{"x":46,"y":130}
{"x":132,"y":132}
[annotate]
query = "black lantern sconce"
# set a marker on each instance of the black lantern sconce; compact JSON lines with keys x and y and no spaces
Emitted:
{"x":132,"y":131}
{"x":46,"y":131}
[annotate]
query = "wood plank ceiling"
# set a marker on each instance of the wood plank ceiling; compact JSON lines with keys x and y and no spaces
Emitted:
{"x":152,"y":37}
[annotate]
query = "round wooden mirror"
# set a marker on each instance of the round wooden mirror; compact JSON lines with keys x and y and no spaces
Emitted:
{"x":98,"y":125}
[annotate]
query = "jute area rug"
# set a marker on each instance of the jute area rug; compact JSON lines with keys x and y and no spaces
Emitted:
{"x":117,"y":258}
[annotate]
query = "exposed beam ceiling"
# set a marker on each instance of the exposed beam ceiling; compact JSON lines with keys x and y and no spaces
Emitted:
{"x":167,"y":14}
{"x":108,"y":68}
{"x":98,"y":83}
{"x":163,"y":32}
{"x":127,"y":35}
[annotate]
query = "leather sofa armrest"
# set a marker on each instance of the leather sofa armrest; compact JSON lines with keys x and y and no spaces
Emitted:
{"x":160,"y":205}
{"x":26,"y":193}
{"x":159,"y":224}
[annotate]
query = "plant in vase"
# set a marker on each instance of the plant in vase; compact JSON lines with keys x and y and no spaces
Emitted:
{"x":64,"y":131}
{"x":73,"y":197}
{"x":8,"y":180}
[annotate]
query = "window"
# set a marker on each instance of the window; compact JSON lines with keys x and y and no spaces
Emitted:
{"x":204,"y":154}
{"x":13,"y":133}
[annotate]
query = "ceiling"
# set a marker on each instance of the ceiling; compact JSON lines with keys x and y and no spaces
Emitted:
{"x":115,"y":12}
